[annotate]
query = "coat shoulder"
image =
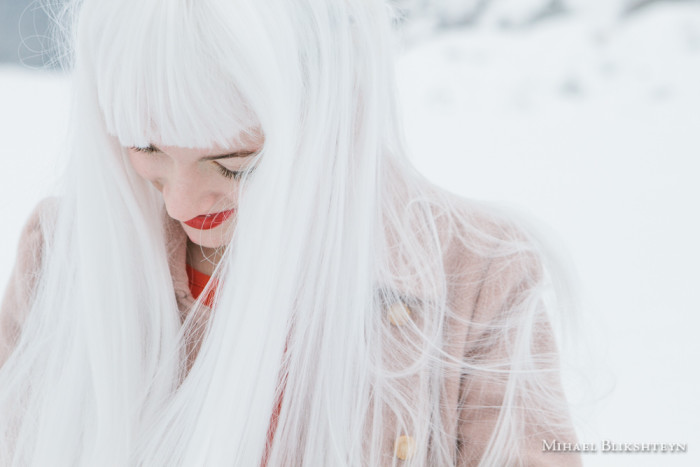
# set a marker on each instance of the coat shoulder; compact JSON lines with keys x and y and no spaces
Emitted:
{"x":489,"y":255}
{"x":23,"y":279}
{"x":30,"y":249}
{"x":482,"y":236}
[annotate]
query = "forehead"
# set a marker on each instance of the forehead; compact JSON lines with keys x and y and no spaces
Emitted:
{"x":249,"y":139}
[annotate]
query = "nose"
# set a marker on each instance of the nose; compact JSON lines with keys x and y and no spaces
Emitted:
{"x":186,"y":195}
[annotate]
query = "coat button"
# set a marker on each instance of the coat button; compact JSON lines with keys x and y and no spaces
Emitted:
{"x":399,"y":313}
{"x":404,"y":447}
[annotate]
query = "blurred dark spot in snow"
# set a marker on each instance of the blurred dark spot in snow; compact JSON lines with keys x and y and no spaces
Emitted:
{"x":571,"y":87}
{"x":600,"y":37}
{"x":553,"y":9}
{"x":662,"y":92}
{"x":439,"y":98}
{"x":608,"y":68}
{"x":691,"y":36}
{"x":460,"y":14}
{"x":454,"y":53}
{"x":632,"y":7}
{"x":548,"y":11}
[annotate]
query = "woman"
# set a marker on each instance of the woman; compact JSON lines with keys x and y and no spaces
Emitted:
{"x":355,"y":314}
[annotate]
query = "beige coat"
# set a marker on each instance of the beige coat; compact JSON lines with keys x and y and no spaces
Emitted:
{"x":474,"y":300}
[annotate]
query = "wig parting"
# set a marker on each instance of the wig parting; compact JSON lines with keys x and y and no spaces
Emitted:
{"x":372,"y":300}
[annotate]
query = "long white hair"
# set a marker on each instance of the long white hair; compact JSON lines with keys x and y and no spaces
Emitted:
{"x":333,"y":226}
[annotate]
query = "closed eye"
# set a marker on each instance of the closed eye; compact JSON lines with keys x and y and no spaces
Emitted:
{"x":234,"y":174}
{"x":231,"y":174}
{"x":148,"y":149}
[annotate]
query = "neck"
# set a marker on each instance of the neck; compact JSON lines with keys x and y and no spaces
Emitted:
{"x":203,"y":259}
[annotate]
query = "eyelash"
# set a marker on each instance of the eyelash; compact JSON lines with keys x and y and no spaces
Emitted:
{"x":230,"y":174}
{"x":148,"y":149}
{"x":233,"y":174}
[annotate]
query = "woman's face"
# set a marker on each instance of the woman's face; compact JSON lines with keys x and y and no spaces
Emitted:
{"x":199,"y":186}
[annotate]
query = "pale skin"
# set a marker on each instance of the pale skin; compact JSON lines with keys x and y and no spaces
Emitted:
{"x":196,"y":182}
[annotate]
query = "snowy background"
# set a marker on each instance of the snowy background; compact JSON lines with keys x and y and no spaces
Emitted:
{"x":584,"y":114}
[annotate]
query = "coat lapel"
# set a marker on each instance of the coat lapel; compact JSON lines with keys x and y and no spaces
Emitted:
{"x":176,"y":244}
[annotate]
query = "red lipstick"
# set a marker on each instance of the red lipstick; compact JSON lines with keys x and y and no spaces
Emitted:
{"x":209,"y":221}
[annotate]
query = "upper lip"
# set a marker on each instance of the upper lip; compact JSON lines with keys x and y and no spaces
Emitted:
{"x":214,"y":214}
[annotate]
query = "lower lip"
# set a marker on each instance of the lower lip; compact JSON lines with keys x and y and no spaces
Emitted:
{"x":209,"y":221}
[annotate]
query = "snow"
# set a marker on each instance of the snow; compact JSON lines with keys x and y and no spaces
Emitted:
{"x":33,"y":122}
{"x":593,"y":128}
{"x":586,"y":122}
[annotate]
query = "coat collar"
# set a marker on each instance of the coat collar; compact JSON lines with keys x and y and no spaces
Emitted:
{"x":176,"y":244}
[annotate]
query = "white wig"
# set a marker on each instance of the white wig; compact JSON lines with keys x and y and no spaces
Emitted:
{"x":334,"y":225}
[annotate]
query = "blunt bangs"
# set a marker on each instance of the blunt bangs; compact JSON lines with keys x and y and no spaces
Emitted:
{"x":162,"y":80}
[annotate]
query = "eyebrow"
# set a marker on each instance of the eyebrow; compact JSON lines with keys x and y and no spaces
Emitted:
{"x":242,"y":153}
{"x":228,"y":156}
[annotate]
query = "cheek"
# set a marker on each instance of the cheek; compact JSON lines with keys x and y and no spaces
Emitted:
{"x":147,"y":170}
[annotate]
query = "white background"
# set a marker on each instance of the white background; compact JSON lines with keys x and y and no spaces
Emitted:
{"x":588,"y":124}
